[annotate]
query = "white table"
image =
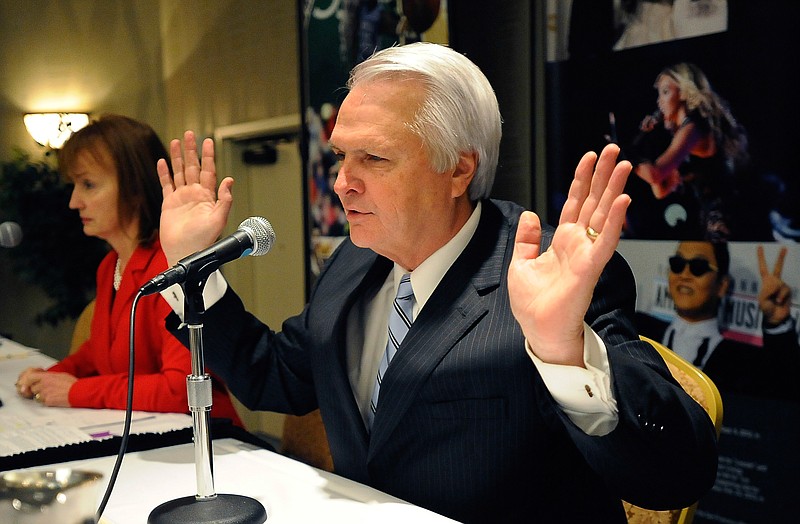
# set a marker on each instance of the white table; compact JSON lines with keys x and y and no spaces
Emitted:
{"x":291,"y":492}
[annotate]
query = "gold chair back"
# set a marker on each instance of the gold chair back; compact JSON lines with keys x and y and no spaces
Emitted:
{"x":83,"y":325}
{"x":702,"y":389}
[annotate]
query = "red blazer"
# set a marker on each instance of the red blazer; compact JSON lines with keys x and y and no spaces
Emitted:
{"x":162,"y":362}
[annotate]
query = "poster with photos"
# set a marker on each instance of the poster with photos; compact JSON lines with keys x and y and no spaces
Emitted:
{"x":699,"y":96}
{"x":753,"y":363}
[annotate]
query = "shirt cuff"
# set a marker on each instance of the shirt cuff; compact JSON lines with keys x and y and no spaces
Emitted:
{"x":583,"y":394}
{"x":215,"y":287}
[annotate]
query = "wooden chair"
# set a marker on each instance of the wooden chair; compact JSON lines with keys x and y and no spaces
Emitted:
{"x":702,"y":389}
{"x":304,"y":439}
{"x":80,"y":332}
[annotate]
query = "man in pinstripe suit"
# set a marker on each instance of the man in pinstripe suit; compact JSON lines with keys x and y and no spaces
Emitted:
{"x":521,"y":392}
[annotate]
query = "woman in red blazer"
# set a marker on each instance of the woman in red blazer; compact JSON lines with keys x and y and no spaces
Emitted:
{"x":112,"y":163}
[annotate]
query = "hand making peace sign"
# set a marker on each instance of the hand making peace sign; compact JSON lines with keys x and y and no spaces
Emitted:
{"x":775,"y":297}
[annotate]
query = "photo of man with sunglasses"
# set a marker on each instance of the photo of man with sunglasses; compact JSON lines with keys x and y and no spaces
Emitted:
{"x":698,"y":282}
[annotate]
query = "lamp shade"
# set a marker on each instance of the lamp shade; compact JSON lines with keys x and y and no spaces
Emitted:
{"x":53,"y":129}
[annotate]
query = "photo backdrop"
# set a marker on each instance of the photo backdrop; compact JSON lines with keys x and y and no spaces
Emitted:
{"x":602,"y":61}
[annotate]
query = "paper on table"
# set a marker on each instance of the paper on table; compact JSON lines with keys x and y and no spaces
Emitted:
{"x":24,"y":440}
{"x":28,"y":426}
{"x":10,"y":349}
{"x":141,"y":422}
{"x":64,"y":426}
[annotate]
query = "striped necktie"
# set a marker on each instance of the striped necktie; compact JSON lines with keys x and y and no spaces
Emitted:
{"x":400,"y":318}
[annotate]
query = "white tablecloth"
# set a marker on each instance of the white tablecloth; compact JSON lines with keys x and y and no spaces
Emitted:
{"x":290,"y":491}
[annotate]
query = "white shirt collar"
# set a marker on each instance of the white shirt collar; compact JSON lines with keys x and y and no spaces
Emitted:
{"x":686,"y":337}
{"x":427,"y":276}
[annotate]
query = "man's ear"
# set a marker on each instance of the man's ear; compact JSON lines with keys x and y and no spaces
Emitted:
{"x":464,"y":172}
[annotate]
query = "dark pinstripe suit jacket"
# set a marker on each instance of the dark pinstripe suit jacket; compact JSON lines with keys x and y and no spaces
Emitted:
{"x":466,"y":426}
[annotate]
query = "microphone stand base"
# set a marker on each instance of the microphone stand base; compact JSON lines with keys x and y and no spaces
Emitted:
{"x":222,"y":509}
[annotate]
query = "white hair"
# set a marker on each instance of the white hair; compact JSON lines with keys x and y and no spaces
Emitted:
{"x":460,"y":111}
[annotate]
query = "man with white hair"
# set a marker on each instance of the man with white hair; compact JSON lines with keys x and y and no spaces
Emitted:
{"x":510,"y":385}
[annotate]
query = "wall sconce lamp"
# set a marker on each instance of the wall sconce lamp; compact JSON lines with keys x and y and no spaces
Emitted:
{"x":53,"y":129}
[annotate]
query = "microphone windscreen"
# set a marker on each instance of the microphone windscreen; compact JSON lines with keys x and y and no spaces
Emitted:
{"x":10,"y":234}
{"x":260,"y":230}
{"x":658,"y":116}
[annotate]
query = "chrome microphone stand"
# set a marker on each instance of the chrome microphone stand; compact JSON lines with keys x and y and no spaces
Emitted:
{"x":206,"y":506}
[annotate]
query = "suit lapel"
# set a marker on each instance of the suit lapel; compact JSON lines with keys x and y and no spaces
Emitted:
{"x":456,"y":307}
{"x":357,"y":271}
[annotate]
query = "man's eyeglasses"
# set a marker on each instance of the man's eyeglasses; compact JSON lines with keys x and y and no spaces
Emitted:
{"x":697,"y":266}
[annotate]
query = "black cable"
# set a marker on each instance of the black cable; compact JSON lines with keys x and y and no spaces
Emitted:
{"x":126,"y":431}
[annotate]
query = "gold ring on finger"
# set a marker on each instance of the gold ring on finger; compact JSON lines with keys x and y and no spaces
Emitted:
{"x":592,"y":233}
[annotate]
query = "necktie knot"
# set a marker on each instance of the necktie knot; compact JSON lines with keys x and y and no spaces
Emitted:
{"x":404,"y":301}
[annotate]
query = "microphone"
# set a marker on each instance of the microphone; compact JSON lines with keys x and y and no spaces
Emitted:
{"x":658,"y":118}
{"x":254,"y":236}
{"x":641,"y":148}
{"x":10,"y":234}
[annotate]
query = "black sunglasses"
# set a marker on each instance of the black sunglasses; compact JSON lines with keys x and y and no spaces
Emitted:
{"x":697,"y":266}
